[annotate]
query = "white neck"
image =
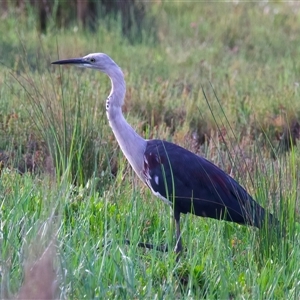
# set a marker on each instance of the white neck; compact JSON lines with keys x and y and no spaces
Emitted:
{"x":132,"y":145}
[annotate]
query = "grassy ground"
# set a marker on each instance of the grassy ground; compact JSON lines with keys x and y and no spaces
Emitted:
{"x":82,"y":196}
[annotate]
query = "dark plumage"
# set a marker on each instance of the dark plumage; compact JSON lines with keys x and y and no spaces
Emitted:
{"x":194,"y":185}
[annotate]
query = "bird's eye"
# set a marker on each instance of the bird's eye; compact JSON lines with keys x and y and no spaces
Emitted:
{"x":92,"y":60}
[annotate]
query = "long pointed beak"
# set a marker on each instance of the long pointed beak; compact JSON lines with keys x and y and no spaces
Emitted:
{"x":71,"y":61}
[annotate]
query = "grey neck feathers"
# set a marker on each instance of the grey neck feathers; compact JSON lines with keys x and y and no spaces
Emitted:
{"x":132,"y":145}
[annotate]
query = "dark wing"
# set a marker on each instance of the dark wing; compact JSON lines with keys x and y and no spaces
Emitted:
{"x":195,"y":185}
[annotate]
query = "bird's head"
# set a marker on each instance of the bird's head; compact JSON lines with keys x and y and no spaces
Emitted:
{"x":103,"y":63}
{"x":99,"y":61}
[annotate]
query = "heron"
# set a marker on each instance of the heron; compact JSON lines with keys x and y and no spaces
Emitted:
{"x":184,"y":180}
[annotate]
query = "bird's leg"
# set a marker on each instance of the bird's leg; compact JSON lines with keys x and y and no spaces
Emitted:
{"x":161,"y":248}
{"x":178,"y":246}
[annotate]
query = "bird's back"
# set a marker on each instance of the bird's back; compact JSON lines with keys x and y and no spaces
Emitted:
{"x":195,"y":185}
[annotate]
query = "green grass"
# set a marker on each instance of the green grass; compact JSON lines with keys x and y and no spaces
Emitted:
{"x":83,"y":195}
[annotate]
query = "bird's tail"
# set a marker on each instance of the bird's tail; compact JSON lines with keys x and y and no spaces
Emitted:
{"x":267,"y":221}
